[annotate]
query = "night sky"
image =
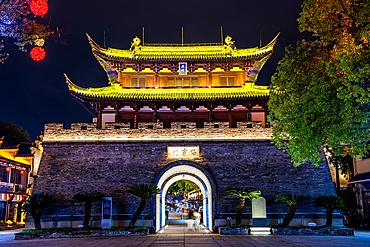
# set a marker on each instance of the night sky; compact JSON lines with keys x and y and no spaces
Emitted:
{"x":34,"y":93}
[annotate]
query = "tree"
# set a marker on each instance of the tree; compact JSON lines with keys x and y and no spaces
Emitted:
{"x":330,"y":203}
{"x":319,"y":95}
{"x":88,"y":199}
{"x":35,"y":205}
{"x":242,"y":195}
{"x":182,"y":186}
{"x":350,"y":207}
{"x":144,"y":192}
{"x":21,"y":27}
{"x":13,"y":134}
{"x":292,"y":201}
{"x":343,"y":163}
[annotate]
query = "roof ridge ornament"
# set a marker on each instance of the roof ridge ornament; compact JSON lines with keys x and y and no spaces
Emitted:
{"x":229,"y":45}
{"x":135,"y":45}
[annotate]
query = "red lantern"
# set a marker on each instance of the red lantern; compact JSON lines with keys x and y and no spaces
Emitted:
{"x":7,"y":169}
{"x":39,"y":7}
{"x":21,"y":172}
{"x":37,"y":53}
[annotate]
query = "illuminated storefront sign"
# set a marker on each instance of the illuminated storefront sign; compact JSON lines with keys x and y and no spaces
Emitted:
{"x":182,"y":152}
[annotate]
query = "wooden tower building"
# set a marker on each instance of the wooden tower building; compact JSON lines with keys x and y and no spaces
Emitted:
{"x":178,"y":83}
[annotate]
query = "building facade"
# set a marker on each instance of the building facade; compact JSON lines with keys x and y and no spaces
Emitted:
{"x":16,"y":165}
{"x":170,"y":113}
{"x":361,"y":185}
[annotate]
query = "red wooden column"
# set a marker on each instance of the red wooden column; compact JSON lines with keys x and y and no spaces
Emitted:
{"x":100,"y":117}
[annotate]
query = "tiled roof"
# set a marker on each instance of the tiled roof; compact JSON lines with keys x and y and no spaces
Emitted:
{"x":360,"y":178}
{"x":116,"y":92}
{"x":185,"y":52}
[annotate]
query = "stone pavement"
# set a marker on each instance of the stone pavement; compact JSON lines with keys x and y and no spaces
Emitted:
{"x":176,"y":236}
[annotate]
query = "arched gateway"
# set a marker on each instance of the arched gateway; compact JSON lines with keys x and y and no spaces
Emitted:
{"x":185,"y":170}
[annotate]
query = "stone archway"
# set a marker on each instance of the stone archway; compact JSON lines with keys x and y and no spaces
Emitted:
{"x":185,"y":170}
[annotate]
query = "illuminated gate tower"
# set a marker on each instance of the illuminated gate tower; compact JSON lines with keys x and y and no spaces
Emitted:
{"x":178,"y":83}
{"x":171,"y":113}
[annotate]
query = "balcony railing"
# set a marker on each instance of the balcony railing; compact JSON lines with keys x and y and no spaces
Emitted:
{"x":10,"y":187}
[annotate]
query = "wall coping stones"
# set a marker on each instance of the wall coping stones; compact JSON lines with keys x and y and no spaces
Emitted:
{"x":182,"y":131}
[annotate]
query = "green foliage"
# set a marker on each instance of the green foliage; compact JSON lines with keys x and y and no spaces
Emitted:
{"x":182,"y":186}
{"x":330,"y":203}
{"x":19,"y":26}
{"x":242,"y":194}
{"x":144,"y":192}
{"x":13,"y":134}
{"x":320,"y":91}
{"x":37,"y":202}
{"x":343,"y":163}
{"x":290,"y":199}
{"x":35,"y":205}
{"x":88,"y":199}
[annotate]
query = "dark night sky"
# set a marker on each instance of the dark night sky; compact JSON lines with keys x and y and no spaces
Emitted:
{"x":35,"y":93}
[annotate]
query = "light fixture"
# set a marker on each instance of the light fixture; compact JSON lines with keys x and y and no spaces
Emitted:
{"x":38,"y":53}
{"x":39,"y":7}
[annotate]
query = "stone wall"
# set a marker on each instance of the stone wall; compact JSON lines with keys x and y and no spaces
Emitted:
{"x":78,"y":160}
{"x":155,"y":131}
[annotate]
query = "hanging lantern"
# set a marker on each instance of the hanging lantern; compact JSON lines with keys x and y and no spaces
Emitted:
{"x":39,"y":7}
{"x":21,"y":172}
{"x":7,"y":169}
{"x":37,"y":53}
{"x":39,"y":42}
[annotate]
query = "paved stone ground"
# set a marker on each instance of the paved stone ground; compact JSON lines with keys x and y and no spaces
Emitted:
{"x":182,"y":236}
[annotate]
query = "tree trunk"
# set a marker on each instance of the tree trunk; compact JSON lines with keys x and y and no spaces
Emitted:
{"x":329,"y":217}
{"x":337,"y":181}
{"x":136,"y":215}
{"x":238,"y":217}
{"x":290,"y":215}
{"x":88,"y":206}
{"x":37,"y":221}
{"x":239,"y":212}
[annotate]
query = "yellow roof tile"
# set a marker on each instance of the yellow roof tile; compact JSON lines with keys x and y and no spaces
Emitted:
{"x":116,"y":92}
{"x":183,"y":52}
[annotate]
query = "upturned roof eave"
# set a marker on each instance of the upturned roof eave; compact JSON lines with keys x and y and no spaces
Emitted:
{"x":83,"y":98}
{"x":182,"y":59}
{"x":245,"y":54}
{"x":106,"y":93}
